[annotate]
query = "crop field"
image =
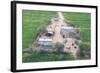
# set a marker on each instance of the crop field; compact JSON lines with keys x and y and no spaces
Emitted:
{"x":32,"y":20}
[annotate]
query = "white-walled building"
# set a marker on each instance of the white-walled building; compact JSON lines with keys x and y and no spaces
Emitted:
{"x":45,"y":41}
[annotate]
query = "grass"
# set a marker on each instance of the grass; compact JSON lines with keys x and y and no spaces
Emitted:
{"x":80,"y":20}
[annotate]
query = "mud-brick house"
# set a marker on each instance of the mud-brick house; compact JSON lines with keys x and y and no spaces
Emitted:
{"x":71,"y":46}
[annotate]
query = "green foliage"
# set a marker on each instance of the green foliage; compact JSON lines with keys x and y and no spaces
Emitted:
{"x":59,"y":47}
{"x":85,"y":51}
{"x":46,"y":57}
{"x":42,"y":29}
{"x":85,"y":35}
{"x":67,"y":57}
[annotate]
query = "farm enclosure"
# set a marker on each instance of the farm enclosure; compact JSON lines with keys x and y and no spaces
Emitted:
{"x":32,"y":20}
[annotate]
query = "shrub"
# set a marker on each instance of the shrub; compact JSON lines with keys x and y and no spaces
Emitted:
{"x":85,"y":51}
{"x":59,"y":47}
{"x":42,"y":29}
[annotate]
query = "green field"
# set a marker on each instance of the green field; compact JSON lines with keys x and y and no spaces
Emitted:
{"x":32,"y":20}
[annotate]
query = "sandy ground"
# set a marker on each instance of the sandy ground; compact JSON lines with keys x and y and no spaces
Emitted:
{"x":57,"y":36}
{"x":57,"y":28}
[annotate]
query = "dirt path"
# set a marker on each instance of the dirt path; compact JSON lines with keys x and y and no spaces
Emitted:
{"x":57,"y":28}
{"x":60,"y":15}
{"x":57,"y":37}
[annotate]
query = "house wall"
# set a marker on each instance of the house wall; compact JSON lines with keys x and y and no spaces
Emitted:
{"x":71,"y":47}
{"x":45,"y":43}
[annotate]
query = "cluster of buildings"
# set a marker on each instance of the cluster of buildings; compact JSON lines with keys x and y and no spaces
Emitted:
{"x":70,"y":35}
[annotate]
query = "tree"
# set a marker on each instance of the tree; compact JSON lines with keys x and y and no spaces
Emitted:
{"x":85,"y":51}
{"x":42,"y":29}
{"x":59,"y":49}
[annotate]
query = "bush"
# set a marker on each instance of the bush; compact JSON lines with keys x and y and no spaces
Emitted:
{"x":85,"y":51}
{"x":42,"y":29}
{"x":59,"y":47}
